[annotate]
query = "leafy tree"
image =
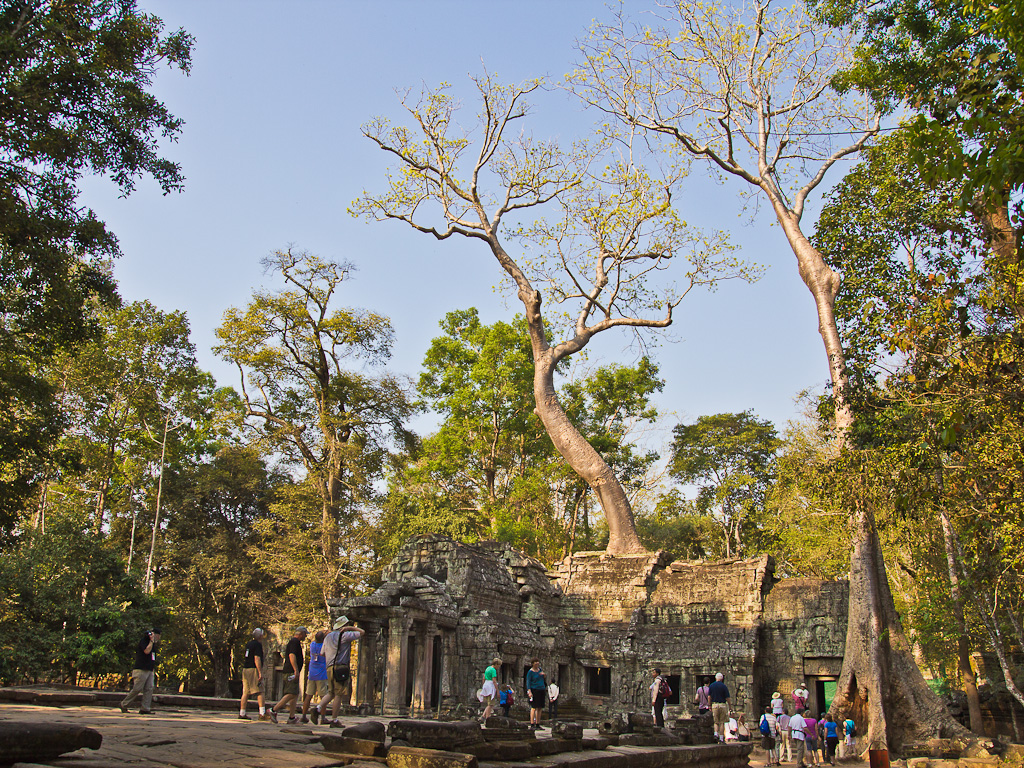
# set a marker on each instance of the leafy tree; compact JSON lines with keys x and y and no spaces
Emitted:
{"x":903,"y":248}
{"x":612,"y":232}
{"x":731,"y":459}
{"x":60,"y":620}
{"x":134,"y":403}
{"x":291,"y":348}
{"x":74,"y":98}
{"x":218,"y":592}
{"x":958,"y":63}
{"x":117,"y":393}
{"x":677,"y":526}
{"x":490,"y":469}
{"x":478,"y":377}
{"x":807,"y":525}
{"x":945,"y":311}
{"x":749,"y":92}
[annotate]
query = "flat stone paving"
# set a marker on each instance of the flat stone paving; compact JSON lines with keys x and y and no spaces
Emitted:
{"x":195,"y":738}
{"x":182,"y":739}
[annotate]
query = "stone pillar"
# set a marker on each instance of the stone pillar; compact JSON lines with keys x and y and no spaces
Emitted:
{"x":450,"y":687}
{"x":366,"y":682}
{"x":424,"y":668}
{"x":398,"y":644}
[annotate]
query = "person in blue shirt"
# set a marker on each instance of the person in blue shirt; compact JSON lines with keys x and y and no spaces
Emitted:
{"x":831,"y":738}
{"x":850,"y":729}
{"x":317,"y":681}
{"x":506,"y":698}
{"x":536,"y":692}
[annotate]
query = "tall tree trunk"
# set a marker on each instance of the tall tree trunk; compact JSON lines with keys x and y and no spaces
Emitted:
{"x":570,"y":444}
{"x":150,"y":576}
{"x":39,"y":518}
{"x":881,"y":687}
{"x":585,"y":461}
{"x":963,"y":643}
{"x":221,"y":660}
{"x":101,"y":495}
{"x":823,"y":284}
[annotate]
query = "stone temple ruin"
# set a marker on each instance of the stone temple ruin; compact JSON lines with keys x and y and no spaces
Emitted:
{"x":597,"y":623}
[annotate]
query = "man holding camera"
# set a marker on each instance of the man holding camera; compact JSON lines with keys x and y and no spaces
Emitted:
{"x":143,"y":674}
{"x":337,"y":651}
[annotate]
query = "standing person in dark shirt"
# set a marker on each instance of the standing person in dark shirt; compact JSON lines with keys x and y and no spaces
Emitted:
{"x":293,"y":658}
{"x":718,"y":692}
{"x":252,"y":675}
{"x":536,"y":691}
{"x":143,"y":674}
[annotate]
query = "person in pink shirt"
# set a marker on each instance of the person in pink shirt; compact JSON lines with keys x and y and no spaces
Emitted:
{"x":811,"y":729}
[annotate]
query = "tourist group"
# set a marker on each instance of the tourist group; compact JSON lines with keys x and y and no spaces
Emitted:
{"x":329,"y":680}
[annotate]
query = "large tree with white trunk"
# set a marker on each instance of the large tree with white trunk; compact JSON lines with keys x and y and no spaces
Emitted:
{"x":612,"y":254}
{"x":748,"y":90}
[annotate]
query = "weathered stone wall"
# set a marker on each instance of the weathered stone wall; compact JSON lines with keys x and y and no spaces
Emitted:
{"x":803,"y":637}
{"x":689,"y":619}
{"x":597,"y":617}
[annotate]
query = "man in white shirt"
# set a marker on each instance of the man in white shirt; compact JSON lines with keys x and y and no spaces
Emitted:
{"x":553,"y":700}
{"x":798,"y":732}
{"x":730,"y":728}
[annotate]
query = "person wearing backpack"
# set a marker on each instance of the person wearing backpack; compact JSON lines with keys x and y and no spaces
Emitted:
{"x":337,"y":650}
{"x":850,"y":729}
{"x":703,"y":697}
{"x":769,"y":728}
{"x":660,"y":691}
{"x":506,"y":699}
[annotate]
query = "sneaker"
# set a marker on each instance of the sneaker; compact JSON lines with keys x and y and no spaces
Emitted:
{"x":314,"y":715}
{"x":123,"y":708}
{"x":337,"y":724}
{"x":264,"y":717}
{"x":293,"y":720}
{"x":145,"y":711}
{"x":243,"y":716}
{"x":304,"y":720}
{"x":273,"y":716}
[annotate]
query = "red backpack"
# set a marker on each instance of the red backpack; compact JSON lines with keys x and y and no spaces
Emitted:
{"x":664,"y":690}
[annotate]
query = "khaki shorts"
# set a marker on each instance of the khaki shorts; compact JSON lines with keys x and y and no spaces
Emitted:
{"x":290,"y":687}
{"x":336,"y":688}
{"x":252,"y":683}
{"x":720,"y":712}
{"x":316,"y":688}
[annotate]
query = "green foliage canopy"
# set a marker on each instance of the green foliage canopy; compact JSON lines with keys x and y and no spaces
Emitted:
{"x":731,"y":458}
{"x":74,"y":99}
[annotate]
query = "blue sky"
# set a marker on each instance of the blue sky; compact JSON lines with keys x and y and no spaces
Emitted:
{"x":273,"y":157}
